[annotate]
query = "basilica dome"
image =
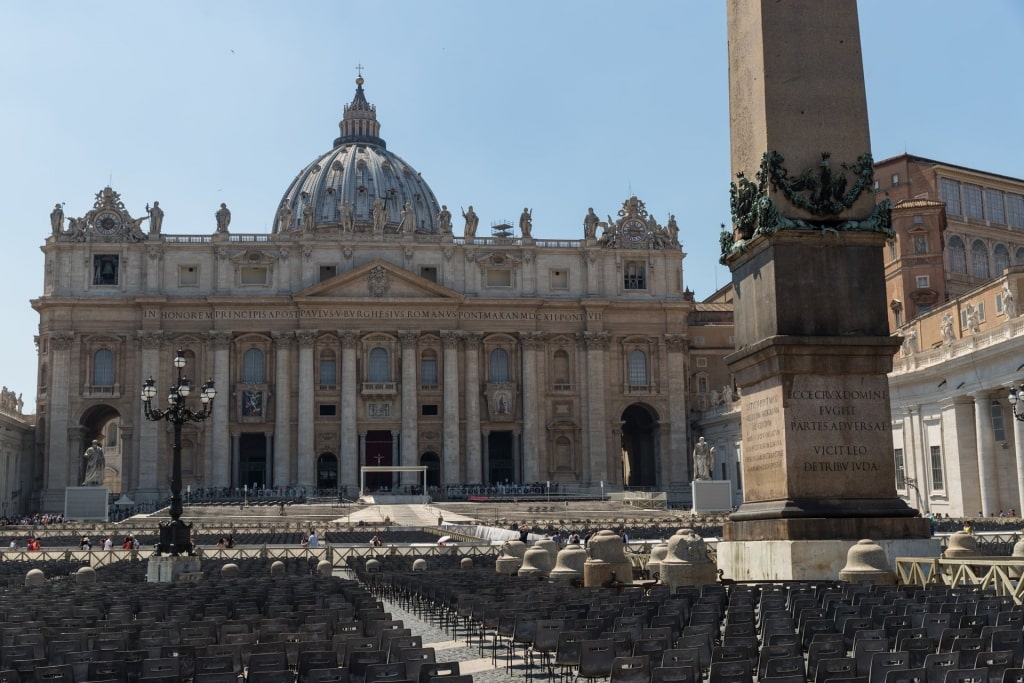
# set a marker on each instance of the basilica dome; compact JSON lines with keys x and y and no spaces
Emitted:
{"x":359,"y":185}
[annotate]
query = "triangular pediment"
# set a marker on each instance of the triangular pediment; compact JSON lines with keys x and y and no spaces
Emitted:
{"x":378,"y":279}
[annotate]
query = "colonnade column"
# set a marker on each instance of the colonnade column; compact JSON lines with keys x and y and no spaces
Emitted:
{"x":597,"y":439}
{"x":304,"y":443}
{"x":145,"y":466}
{"x":451,"y":470}
{"x":409,"y":407}
{"x":220,"y":436}
{"x":282,"y":408}
{"x":474,"y":464}
{"x":348,"y":465}
{"x":674,"y":463}
{"x":986,"y":464}
{"x":530,"y":342}
{"x":1018,"y":451}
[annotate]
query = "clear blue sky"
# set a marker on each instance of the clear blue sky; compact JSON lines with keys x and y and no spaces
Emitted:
{"x":553,"y":105}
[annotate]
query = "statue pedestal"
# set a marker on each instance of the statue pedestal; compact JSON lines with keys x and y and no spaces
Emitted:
{"x":86,"y":503}
{"x":711,"y":496}
{"x":173,"y":569}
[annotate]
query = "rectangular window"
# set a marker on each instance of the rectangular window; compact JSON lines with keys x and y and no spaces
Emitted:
{"x":698,"y":340}
{"x":895,"y":179}
{"x":327,"y":272}
{"x":104,"y":269}
{"x":429,"y":273}
{"x":918,"y":218}
{"x":560,"y":279}
{"x":938,"y":481}
{"x":998,"y":424}
{"x":328,"y":373}
{"x":1000,"y":308}
{"x":981,"y":311}
{"x":702,"y":384}
{"x":1015,"y":210}
{"x":901,"y":469}
{"x":499,"y":278}
{"x":188,"y":276}
{"x":428,"y":373}
{"x":428,"y":409}
{"x":635,"y":275}
{"x":973,"y":205}
{"x":949,"y":192}
{"x":328,"y":409}
{"x":892,"y":250}
{"x":922,"y":281}
{"x":994,"y":209}
{"x":253,"y":275}
{"x":920,"y":244}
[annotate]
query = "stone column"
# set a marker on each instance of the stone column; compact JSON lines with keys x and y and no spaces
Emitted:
{"x":410,"y":438}
{"x":1018,"y":451}
{"x":451,"y":471}
{"x":674,"y":460}
{"x":474,"y":464}
{"x":304,"y":455}
{"x":268,"y":453}
{"x":62,"y":466}
{"x":986,"y":456}
{"x":283,"y":409}
{"x":396,"y":443}
{"x":349,"y":458}
{"x":531,"y":393}
{"x":597,"y":438}
{"x":220,"y":437}
{"x":145,"y":481}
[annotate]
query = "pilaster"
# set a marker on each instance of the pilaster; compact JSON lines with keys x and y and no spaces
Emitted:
{"x":304,"y":455}
{"x":451,"y":472}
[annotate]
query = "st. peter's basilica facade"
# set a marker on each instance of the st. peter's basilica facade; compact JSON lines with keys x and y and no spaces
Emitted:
{"x":363,"y":331}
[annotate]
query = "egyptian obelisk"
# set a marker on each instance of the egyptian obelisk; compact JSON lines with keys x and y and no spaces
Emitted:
{"x":812,"y":341}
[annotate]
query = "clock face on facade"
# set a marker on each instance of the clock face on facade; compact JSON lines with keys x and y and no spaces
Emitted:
{"x":107,"y":223}
{"x":634,"y":230}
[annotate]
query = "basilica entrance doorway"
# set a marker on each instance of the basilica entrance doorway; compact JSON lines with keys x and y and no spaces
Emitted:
{"x":327,"y":472}
{"x":501,"y":462}
{"x":639,"y":456}
{"x":378,"y":454}
{"x":252,"y":460}
{"x":432,"y":462}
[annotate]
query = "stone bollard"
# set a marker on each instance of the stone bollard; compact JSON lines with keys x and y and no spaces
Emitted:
{"x":35,"y":577}
{"x":229,"y":571}
{"x":961,"y":544}
{"x":277,"y":568}
{"x":659,"y":552}
{"x":536,"y":563}
{"x":419,"y":565}
{"x":373,"y":565}
{"x":608,"y":546}
{"x":866,"y":561}
{"x":550,"y":546}
{"x":686,"y":562}
{"x":85,"y":575}
{"x":1018,"y":549}
{"x":324,"y":568}
{"x":569,"y":566}
{"x":596,"y":573}
{"x":511,"y":558}
{"x":466,"y":563}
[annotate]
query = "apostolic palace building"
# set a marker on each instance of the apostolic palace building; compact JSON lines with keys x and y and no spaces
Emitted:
{"x":371,"y":327}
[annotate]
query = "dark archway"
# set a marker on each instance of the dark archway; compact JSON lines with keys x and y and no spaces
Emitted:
{"x":432,"y":461}
{"x":327,"y":472}
{"x":252,"y":460}
{"x":378,"y":453}
{"x":102,"y":423}
{"x":501,"y":466}
{"x":639,"y":456}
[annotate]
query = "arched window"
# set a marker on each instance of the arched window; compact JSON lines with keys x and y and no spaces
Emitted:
{"x":957,"y":255}
{"x":499,"y":366}
{"x":103,"y":368}
{"x":379,"y":366}
{"x":1018,"y":257}
{"x":560,"y":367}
{"x":979,"y":259}
{"x":328,"y":368}
{"x":637,"y":368}
{"x":1001,"y":259}
{"x":428,"y":368}
{"x":253,"y":371}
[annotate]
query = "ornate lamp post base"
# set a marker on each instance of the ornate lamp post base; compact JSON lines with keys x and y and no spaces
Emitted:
{"x":175,"y":538}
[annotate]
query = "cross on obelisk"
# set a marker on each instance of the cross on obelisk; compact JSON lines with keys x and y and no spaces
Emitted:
{"x":813,"y":347}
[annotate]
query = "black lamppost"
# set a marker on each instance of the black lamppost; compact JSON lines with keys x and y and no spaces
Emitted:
{"x":176,"y":536}
{"x":1016,"y":399}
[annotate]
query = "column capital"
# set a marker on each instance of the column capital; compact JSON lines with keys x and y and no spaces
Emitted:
{"x":675,"y":342}
{"x":150,"y":339}
{"x":596,"y":341}
{"x":283,"y":340}
{"x":396,"y":432}
{"x":409,"y":338}
{"x":349,"y":338}
{"x":472,"y":339}
{"x":531,"y":340}
{"x":450,"y":338}
{"x":306,"y":338}
{"x":62,"y":341}
{"x":221,"y":339}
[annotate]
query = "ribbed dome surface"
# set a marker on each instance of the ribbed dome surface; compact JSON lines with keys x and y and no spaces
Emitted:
{"x":358,"y":170}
